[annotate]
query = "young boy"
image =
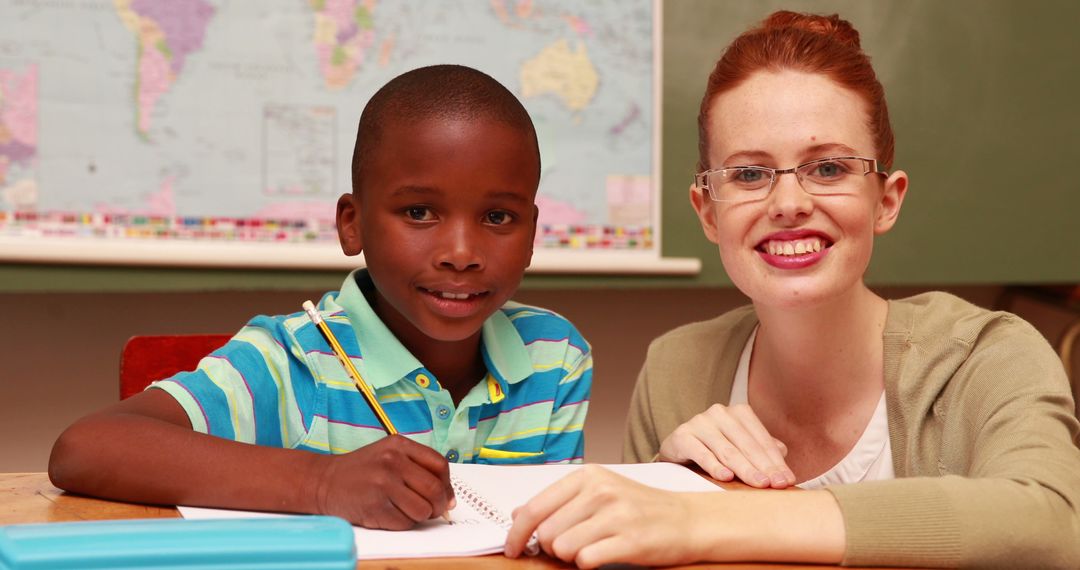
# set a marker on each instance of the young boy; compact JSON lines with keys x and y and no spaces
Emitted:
{"x":445,"y":172}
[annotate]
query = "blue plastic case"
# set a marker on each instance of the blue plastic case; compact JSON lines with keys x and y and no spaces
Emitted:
{"x":315,"y":542}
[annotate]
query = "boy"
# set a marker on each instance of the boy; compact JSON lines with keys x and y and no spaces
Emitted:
{"x":445,"y":172}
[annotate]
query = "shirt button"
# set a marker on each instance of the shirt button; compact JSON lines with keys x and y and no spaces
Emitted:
{"x":452,"y":455}
{"x":423,"y":381}
{"x":443,"y":412}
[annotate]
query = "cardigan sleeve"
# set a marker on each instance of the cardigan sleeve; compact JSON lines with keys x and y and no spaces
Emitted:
{"x":640,"y":443}
{"x":994,"y":474}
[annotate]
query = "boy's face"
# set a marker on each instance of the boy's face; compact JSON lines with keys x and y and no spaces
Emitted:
{"x":446,"y":220}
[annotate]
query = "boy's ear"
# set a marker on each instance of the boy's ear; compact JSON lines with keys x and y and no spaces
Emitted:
{"x":704,"y":208}
{"x":348,"y":224}
{"x":892,"y":197}
{"x":532,"y":235}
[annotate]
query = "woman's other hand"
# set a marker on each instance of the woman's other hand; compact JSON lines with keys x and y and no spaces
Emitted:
{"x":728,"y":442}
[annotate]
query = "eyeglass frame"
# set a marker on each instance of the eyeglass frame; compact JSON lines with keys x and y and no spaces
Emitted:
{"x":701,"y":178}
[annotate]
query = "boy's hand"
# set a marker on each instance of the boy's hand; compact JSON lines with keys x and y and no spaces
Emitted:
{"x":728,"y":442}
{"x":391,"y":484}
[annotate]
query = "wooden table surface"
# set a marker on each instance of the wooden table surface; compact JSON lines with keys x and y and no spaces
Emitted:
{"x":31,"y":498}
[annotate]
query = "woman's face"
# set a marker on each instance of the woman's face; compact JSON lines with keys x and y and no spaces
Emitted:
{"x":770,"y":247}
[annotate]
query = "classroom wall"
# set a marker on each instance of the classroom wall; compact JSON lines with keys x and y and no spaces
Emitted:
{"x":59,"y":352}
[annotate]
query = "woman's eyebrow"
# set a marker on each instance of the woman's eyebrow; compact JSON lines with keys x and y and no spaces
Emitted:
{"x":836,"y":148}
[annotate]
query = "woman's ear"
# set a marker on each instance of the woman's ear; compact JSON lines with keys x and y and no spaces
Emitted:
{"x":892,"y":197}
{"x":348,"y":224}
{"x":705,"y":209}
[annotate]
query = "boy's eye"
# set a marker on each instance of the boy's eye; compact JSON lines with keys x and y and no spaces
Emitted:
{"x":498,"y":217}
{"x":419,"y":213}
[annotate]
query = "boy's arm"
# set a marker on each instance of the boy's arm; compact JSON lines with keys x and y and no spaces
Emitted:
{"x":144,"y":450}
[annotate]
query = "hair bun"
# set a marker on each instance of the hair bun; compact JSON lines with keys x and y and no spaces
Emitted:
{"x":834,"y":26}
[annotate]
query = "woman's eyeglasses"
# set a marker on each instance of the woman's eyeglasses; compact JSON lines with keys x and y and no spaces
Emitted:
{"x":821,"y":177}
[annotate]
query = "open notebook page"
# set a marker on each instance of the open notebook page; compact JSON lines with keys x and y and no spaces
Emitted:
{"x":472,"y":534}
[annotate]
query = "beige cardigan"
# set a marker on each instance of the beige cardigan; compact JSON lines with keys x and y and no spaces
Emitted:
{"x":981,"y":422}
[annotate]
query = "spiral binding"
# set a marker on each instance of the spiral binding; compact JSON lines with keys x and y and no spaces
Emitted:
{"x":464,"y":492}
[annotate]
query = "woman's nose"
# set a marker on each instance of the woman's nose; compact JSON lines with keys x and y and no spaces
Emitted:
{"x":788,"y":199}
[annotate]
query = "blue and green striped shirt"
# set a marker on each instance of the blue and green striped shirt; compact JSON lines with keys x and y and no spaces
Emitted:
{"x":278,"y":383}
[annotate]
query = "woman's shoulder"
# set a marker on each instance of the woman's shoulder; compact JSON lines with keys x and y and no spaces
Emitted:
{"x":937,"y":317}
{"x":936,"y":338}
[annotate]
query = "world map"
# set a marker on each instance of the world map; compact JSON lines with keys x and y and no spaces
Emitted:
{"x":216,"y":120}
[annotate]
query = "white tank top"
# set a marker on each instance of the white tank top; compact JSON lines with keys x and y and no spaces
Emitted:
{"x":869,"y":460}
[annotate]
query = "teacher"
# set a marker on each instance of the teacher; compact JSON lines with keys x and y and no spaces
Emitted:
{"x":927,"y":431}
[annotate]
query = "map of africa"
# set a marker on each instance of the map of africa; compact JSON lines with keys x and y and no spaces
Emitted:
{"x":235,"y":121}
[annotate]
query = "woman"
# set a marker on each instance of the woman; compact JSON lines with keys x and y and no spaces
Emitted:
{"x":928,"y":432}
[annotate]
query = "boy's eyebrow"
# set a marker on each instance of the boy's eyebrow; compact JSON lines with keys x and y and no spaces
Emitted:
{"x":432,"y":191}
{"x":410,"y":189}
{"x":508,"y":195}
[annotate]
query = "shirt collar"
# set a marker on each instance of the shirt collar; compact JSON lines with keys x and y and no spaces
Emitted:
{"x":504,"y":352}
{"x":385,"y":360}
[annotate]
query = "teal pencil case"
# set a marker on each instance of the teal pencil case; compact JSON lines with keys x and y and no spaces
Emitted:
{"x":315,"y":542}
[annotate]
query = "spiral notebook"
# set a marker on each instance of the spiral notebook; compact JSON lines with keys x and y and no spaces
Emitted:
{"x":486,"y":495}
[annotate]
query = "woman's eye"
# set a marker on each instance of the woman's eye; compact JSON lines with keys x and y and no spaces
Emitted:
{"x":749,"y":175}
{"x":829,"y":170}
{"x":498,"y":217}
{"x":419,"y":213}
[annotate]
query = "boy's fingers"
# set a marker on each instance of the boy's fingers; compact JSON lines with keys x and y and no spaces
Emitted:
{"x":435,"y":464}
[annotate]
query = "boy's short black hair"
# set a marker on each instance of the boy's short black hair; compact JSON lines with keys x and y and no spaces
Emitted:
{"x":437,"y":92}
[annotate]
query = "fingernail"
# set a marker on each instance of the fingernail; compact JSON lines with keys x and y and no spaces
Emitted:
{"x":778,"y":479}
{"x":761,"y":478}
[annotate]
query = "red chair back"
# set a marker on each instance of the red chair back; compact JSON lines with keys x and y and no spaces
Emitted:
{"x":146,"y":359}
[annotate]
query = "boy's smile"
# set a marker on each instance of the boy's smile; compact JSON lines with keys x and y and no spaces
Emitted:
{"x":445,"y":217}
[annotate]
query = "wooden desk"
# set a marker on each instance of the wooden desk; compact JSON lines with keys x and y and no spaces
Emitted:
{"x":31,"y":498}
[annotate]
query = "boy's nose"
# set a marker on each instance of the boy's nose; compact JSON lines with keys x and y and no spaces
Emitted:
{"x":459,"y":248}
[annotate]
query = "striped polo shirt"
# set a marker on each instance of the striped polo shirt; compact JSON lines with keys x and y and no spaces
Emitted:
{"x":278,"y":383}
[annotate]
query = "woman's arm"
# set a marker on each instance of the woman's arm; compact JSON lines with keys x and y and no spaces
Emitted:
{"x":594,"y":517}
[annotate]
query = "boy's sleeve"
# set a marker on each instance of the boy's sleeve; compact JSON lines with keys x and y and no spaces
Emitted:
{"x":249,"y":390}
{"x":566,"y":438}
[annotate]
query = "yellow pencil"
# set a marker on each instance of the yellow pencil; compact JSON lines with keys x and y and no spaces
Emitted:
{"x":365,"y":390}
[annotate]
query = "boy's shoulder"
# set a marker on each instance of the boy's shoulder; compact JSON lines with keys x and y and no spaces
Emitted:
{"x":537,"y":323}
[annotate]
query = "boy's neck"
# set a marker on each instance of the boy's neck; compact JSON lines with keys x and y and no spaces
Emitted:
{"x":458,"y":365}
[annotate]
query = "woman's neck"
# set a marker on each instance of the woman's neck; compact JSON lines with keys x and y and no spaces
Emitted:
{"x":823,"y":360}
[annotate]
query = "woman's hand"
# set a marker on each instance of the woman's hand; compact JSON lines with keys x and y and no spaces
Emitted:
{"x":594,"y":517}
{"x":728,"y":442}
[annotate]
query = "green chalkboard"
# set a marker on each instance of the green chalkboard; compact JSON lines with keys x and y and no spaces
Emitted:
{"x":983,"y":96}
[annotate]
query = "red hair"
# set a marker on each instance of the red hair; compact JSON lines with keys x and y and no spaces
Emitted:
{"x":825,"y":45}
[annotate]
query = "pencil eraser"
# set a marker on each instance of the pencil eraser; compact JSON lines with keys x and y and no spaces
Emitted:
{"x":312,"y":314}
{"x":318,"y":542}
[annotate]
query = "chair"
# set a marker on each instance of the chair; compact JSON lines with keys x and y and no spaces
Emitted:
{"x":145,"y":359}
